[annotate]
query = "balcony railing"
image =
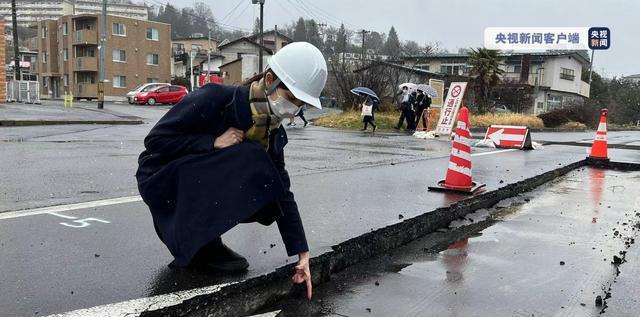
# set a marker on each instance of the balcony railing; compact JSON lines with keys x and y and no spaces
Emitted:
{"x":86,"y":64}
{"x":86,"y":37}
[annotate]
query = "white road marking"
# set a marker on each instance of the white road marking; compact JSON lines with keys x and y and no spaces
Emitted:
{"x":61,"y":215}
{"x":135,"y":307}
{"x":494,"y":152}
{"x":61,"y":208}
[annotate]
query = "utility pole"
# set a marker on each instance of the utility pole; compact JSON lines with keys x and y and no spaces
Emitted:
{"x":591,"y":68}
{"x":275,"y":33}
{"x":323,"y":34}
{"x":16,"y":46}
{"x":364,"y":33}
{"x":103,"y":48}
{"x":191,"y":67}
{"x":209,"y":58}
{"x":261,"y":2}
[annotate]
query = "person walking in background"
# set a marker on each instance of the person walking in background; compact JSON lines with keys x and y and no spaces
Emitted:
{"x":369,"y":107}
{"x":301,"y":115}
{"x":422,"y":102}
{"x":405,"y":104}
{"x":411,"y":114}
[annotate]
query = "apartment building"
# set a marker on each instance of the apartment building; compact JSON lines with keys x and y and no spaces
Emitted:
{"x":30,"y":12}
{"x":136,"y":52}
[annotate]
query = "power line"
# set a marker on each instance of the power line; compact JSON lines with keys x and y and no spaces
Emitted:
{"x":175,"y":10}
{"x":329,"y":15}
{"x":232,"y":10}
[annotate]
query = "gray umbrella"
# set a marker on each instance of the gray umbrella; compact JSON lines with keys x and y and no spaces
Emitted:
{"x":428,"y":90}
{"x":364,"y":91}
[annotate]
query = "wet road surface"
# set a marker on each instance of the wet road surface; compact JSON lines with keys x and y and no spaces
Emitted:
{"x":81,"y":258}
{"x":347,"y":183}
{"x":549,"y":252}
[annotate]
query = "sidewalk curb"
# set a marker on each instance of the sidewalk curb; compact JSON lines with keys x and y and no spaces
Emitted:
{"x":24,"y":123}
{"x":245,"y":297}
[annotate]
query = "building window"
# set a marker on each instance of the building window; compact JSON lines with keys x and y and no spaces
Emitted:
{"x":153,"y":80}
{"x":44,"y":32}
{"x":44,"y":57}
{"x":152,"y":59}
{"x":152,"y":34}
{"x":66,"y":80}
{"x":454,"y":69}
{"x":119,"y":29}
{"x":65,"y":54}
{"x":566,"y":73}
{"x":196,"y":47}
{"x":119,"y":56}
{"x":517,"y":69}
{"x":426,"y":67}
{"x":119,"y":81}
{"x":554,"y":102}
{"x":65,"y":28}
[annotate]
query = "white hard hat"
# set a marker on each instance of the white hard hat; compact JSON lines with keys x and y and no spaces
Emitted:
{"x":301,"y":67}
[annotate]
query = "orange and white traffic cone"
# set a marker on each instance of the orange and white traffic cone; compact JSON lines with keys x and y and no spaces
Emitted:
{"x":599,"y":149}
{"x":458,"y":176}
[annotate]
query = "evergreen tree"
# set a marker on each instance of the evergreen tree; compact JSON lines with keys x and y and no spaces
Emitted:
{"x":300,"y":32}
{"x":313,"y":34}
{"x":392,"y":47}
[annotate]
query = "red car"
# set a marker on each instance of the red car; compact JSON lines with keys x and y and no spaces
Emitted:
{"x":165,"y":94}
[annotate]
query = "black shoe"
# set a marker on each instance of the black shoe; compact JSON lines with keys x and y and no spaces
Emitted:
{"x":217,"y":256}
{"x":374,"y":128}
{"x":397,"y":128}
{"x":305,"y":124}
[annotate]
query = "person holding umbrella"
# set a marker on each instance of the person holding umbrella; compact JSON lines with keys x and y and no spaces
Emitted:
{"x":368,"y":107}
{"x":216,"y":159}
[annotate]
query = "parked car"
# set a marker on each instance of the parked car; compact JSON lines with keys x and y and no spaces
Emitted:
{"x":143,"y":88}
{"x":165,"y":94}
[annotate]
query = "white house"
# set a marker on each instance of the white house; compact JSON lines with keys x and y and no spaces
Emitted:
{"x":556,"y":76}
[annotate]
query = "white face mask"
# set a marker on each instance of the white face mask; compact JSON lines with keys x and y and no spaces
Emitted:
{"x":282,"y":107}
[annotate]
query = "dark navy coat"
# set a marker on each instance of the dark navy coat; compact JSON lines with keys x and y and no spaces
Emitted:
{"x":196,"y":193}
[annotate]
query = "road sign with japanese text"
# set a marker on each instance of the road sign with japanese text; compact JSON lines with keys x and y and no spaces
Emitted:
{"x":450,"y":108}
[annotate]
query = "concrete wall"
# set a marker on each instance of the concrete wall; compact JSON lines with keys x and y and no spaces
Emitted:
{"x":233,"y":73}
{"x":236,"y":50}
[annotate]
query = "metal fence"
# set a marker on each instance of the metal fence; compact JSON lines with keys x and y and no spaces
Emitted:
{"x":23,"y":91}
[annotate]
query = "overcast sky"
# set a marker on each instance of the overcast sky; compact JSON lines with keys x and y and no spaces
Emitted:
{"x":455,"y":23}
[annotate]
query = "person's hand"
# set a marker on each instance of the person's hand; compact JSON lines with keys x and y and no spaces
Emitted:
{"x":230,"y":137}
{"x":303,"y":274}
